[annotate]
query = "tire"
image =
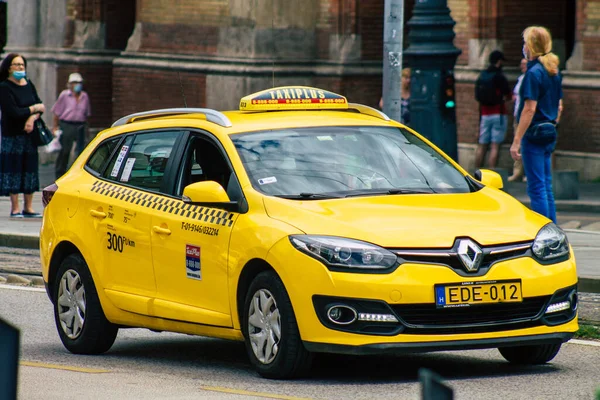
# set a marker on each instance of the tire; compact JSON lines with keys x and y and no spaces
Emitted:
{"x":284,"y":356}
{"x":530,"y":355}
{"x":86,"y":330}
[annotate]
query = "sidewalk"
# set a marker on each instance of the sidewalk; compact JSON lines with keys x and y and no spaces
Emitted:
{"x":24,"y":233}
{"x":588,"y":202}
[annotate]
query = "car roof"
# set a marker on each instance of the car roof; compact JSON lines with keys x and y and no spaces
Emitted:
{"x":235,"y":122}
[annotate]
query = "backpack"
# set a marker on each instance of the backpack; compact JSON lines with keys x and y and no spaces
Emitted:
{"x":486,"y":91}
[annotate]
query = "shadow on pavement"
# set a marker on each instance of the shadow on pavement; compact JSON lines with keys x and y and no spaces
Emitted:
{"x":212,"y":355}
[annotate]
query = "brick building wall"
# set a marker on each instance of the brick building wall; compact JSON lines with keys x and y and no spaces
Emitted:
{"x":591,"y":35}
{"x":580,"y":126}
{"x":460,"y":11}
{"x":97,"y":83}
{"x":137,"y":89}
{"x":225,"y":49}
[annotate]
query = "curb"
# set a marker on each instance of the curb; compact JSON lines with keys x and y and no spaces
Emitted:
{"x":588,"y":285}
{"x":19,"y":241}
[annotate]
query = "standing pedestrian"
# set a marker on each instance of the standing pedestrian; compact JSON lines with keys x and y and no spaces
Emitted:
{"x":71,"y":111}
{"x":518,"y":164}
{"x":539,"y":112}
{"x":20,"y":106}
{"x":404,"y":97}
{"x":491,"y":89}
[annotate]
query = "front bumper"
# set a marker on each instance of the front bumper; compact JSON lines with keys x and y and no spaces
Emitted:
{"x":427,"y":319}
{"x":412,"y":285}
{"x":423,"y":347}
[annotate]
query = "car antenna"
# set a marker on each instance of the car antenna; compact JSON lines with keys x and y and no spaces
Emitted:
{"x":182,"y":92}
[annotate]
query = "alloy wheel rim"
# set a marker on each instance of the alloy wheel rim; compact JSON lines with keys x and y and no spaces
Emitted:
{"x":264,"y":326}
{"x":71,"y":304}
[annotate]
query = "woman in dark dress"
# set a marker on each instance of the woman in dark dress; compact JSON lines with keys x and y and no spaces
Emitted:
{"x":20,"y":106}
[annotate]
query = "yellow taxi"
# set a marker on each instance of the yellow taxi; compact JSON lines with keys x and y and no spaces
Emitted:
{"x":299,"y":224}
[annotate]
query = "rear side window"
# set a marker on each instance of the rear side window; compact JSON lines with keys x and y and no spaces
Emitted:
{"x":142,"y":161}
{"x":102,"y":154}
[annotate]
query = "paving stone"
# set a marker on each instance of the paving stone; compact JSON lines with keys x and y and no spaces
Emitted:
{"x":589,"y":307}
{"x":17,"y":279}
{"x":571,"y":225}
{"x":592,"y":227}
{"x":37,"y":281}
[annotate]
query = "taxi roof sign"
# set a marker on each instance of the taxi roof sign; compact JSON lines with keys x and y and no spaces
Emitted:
{"x":293,"y":98}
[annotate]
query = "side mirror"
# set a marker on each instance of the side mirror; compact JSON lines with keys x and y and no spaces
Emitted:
{"x":207,"y":192}
{"x":489,"y":178}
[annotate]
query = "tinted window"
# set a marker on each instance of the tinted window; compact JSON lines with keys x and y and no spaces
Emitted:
{"x":116,"y":163}
{"x":102,"y":154}
{"x":345,"y":161}
{"x":141,"y":161}
{"x":204,"y":162}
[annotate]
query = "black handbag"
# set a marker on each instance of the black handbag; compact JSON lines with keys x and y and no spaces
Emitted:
{"x":42,"y":136}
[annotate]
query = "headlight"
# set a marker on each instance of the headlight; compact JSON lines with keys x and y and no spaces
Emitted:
{"x":550,"y":243}
{"x":340,"y":252}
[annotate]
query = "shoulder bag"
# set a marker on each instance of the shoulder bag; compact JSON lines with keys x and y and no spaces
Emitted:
{"x":41,"y":134}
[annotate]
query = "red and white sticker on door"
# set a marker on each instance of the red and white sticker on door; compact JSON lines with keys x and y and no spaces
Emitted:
{"x":192,"y":262}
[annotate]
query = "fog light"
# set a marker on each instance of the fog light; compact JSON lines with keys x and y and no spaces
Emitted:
{"x":341,"y":315}
{"x":377,"y":317}
{"x":556,"y":307}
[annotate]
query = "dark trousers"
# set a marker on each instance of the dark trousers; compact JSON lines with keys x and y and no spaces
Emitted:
{"x":71,"y":133}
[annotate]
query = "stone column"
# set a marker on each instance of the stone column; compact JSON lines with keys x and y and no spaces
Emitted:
{"x":484,"y":32}
{"x":23,"y":24}
{"x":34,"y":25}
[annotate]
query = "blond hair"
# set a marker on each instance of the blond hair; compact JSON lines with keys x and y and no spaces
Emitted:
{"x":406,"y":72}
{"x":539,"y":43}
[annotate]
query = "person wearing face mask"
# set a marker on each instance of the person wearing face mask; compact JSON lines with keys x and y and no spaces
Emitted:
{"x":71,"y":111}
{"x":20,"y":106}
{"x":539,"y":112}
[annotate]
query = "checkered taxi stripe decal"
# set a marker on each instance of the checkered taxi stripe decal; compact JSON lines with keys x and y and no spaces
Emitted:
{"x":160,"y":203}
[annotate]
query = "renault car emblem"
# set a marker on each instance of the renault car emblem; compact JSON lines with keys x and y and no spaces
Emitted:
{"x":470,"y":254}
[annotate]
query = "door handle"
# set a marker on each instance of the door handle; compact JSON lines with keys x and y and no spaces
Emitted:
{"x":98,"y":214}
{"x":161,"y":231}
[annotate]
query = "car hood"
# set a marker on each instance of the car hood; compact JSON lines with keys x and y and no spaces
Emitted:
{"x":488,"y":216}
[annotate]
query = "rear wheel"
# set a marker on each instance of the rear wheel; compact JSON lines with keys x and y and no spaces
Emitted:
{"x":271,"y":333}
{"x":530,"y":355}
{"x":80,"y":321}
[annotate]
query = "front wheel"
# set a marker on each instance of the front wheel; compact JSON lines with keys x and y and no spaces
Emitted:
{"x":270,"y":330}
{"x":530,"y":355}
{"x":80,"y":321}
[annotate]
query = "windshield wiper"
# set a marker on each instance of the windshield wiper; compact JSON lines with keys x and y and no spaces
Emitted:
{"x":388,"y":191}
{"x":308,"y":196}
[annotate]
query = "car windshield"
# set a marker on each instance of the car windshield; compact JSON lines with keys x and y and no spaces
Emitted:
{"x":323,"y":162}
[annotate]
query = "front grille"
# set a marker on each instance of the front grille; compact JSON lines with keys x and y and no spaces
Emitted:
{"x":450,"y":258}
{"x":427,"y":318}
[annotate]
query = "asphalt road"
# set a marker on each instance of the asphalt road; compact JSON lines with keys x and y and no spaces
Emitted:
{"x":147,"y":365}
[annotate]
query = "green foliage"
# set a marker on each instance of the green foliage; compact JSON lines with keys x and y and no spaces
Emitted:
{"x":588,"y":332}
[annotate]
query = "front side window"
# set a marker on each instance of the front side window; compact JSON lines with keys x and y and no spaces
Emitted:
{"x":102,"y":154}
{"x":345,"y":161}
{"x":141,"y":160}
{"x":204,"y":161}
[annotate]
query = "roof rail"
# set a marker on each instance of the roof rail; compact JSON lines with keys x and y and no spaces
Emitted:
{"x":211,"y":115}
{"x":373,"y":112}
